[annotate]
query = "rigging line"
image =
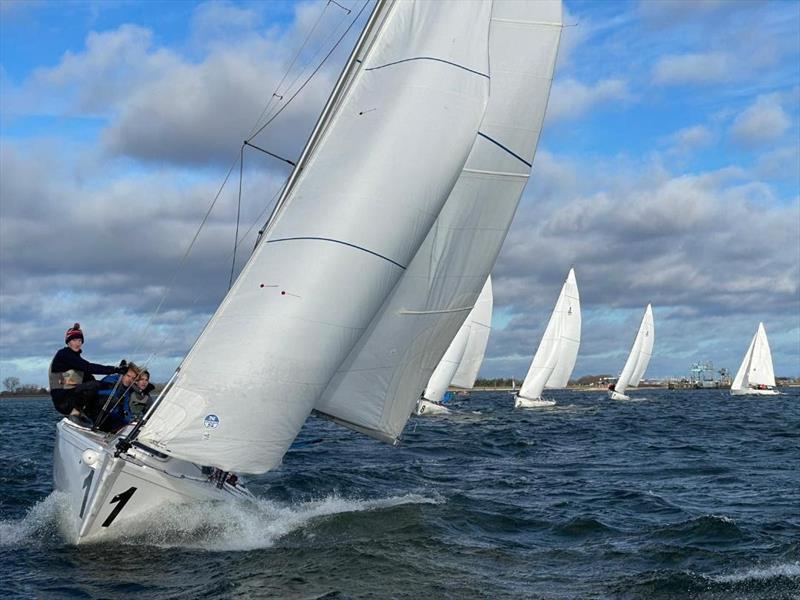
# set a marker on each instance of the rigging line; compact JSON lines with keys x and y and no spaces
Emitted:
{"x":340,"y":6}
{"x":238,"y":215}
{"x":225,"y":181}
{"x":289,"y":68}
{"x":272,"y":154}
{"x":185,"y":256}
{"x":324,"y":60}
{"x":316,"y":55}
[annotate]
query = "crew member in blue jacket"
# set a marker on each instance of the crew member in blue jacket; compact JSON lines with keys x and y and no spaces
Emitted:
{"x":114,"y":399}
{"x":72,"y":385}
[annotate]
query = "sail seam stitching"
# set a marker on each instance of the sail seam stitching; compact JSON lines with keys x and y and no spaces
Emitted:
{"x":433,"y":58}
{"x":511,"y":152}
{"x":322,"y":239}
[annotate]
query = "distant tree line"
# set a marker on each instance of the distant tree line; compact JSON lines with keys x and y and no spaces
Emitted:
{"x":14,"y":388}
{"x":585,"y":381}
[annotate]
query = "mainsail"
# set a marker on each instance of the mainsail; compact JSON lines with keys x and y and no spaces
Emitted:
{"x":351,"y":221}
{"x":640,"y":354}
{"x":555,"y":357}
{"x":756,"y":368}
{"x":480,"y":326}
{"x":375,"y":390}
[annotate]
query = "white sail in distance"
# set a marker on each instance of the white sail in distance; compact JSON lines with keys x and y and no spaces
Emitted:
{"x":639,"y":356}
{"x":443,"y":373}
{"x":756,"y":368}
{"x":377,"y":387}
{"x":555,"y":357}
{"x":352,"y":218}
{"x":480,"y":327}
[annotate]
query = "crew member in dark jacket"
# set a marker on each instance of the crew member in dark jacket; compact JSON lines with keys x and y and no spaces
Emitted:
{"x":71,"y":383}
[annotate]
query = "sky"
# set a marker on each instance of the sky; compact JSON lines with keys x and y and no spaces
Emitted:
{"x":668,"y":172}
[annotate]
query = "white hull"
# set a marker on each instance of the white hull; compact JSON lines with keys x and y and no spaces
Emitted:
{"x":105,"y":491}
{"x":520,"y":402}
{"x":614,"y":395}
{"x":426,"y":407}
{"x":754,"y":392}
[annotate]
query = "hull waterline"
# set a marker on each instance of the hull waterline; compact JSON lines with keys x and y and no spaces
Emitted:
{"x":520,"y":402}
{"x":104,"y":492}
{"x":426,"y":407}
{"x":754,"y":392}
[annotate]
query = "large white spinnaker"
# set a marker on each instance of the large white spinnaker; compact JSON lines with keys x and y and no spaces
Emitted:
{"x":350,"y":224}
{"x":639,"y":357}
{"x":555,"y":357}
{"x":377,"y":387}
{"x":755,"y":374}
{"x":480,"y":326}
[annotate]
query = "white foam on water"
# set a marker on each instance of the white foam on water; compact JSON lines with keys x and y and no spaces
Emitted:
{"x":760,"y":573}
{"x":240,"y":525}
{"x":45,"y":520}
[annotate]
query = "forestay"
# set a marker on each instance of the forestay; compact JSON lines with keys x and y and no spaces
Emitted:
{"x":353,"y":219}
{"x":639,"y":357}
{"x":480,"y":326}
{"x":377,"y":387}
{"x":555,"y":357}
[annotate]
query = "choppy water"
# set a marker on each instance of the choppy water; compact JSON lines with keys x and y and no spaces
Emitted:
{"x":679,"y":494}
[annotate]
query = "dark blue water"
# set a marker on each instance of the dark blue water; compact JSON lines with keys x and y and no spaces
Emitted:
{"x":680,"y":494}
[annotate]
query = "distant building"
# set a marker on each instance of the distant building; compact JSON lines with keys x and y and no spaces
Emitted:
{"x":703,"y":375}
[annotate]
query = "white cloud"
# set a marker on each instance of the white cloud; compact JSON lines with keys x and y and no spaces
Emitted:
{"x":689,"y":139}
{"x":704,"y":69}
{"x":760,"y":123}
{"x":570,"y":99}
{"x":781,"y":164}
{"x":695,"y":245}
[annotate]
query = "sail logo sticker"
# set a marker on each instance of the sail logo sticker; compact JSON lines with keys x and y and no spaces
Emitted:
{"x":211,"y":421}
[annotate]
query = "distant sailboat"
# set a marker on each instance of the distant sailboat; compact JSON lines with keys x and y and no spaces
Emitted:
{"x":462,"y":360}
{"x":480,"y":326}
{"x":755,"y":375}
{"x":638,"y":359}
{"x":555,"y":357}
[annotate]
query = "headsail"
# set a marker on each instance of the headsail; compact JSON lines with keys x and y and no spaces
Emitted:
{"x":640,"y":354}
{"x":555,"y":357}
{"x":364,"y":201}
{"x":480,"y":326}
{"x":377,"y":387}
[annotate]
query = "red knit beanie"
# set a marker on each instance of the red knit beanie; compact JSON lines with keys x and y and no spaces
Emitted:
{"x":73,"y":332}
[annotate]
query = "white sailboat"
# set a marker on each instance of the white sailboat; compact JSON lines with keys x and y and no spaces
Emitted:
{"x":461,"y":362}
{"x":756,"y":375}
{"x":380,"y":242}
{"x":480,"y":327}
{"x":638,"y":359}
{"x":555,"y":357}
